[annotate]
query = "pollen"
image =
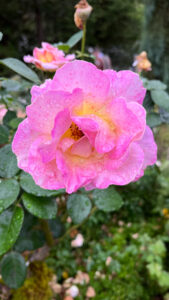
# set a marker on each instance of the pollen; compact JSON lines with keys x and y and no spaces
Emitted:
{"x":76,"y":133}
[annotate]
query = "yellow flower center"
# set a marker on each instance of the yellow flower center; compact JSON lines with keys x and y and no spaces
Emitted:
{"x":46,"y":57}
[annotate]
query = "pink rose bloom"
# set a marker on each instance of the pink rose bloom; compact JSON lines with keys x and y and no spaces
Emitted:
{"x":85,"y":128}
{"x":48,"y":58}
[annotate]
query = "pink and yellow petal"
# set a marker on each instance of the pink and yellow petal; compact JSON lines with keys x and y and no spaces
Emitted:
{"x":80,"y":74}
{"x":149,"y":147}
{"x":126,"y":84}
{"x":126,"y":172}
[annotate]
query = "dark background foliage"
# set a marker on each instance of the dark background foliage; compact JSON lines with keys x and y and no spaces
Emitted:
{"x":115,"y":25}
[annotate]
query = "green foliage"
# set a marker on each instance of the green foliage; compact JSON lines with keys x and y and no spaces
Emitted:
{"x":9,"y":191}
{"x":108,"y":199}
{"x":8,"y":163}
{"x":29,"y":186}
{"x":74,"y":39}
{"x":161,"y":98}
{"x":43,"y":208}
{"x":20,"y":68}
{"x":133,"y":239}
{"x":4,"y":134}
{"x":9,"y":116}
{"x":153,"y":119}
{"x":37,"y":285}
{"x":79,"y":207}
{"x":10,"y":225}
{"x":13,"y":269}
{"x":156,"y":102}
{"x":31,"y":236}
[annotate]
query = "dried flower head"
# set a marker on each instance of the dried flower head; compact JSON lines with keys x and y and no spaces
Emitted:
{"x":83,"y":11}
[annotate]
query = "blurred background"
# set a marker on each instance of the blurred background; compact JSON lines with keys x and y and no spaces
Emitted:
{"x":119,"y":28}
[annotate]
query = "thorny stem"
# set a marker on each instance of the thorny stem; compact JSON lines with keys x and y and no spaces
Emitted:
{"x":83,"y":40}
{"x":48,"y":234}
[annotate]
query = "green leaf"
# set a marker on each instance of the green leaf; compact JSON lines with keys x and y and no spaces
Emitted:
{"x":44,"y":208}
{"x":79,"y":207}
{"x":154,"y":85}
{"x":29,"y":186}
{"x":15,"y":122}
{"x":154,"y":269}
{"x":1,"y":36}
{"x":75,"y":38}
{"x":56,"y":227}
{"x":164,"y":280}
{"x":10,"y":225}
{"x":108,"y":199}
{"x":153,"y":119}
{"x":157,"y":248}
{"x":161,"y":98}
{"x":11,"y":85}
{"x":4,"y":134}
{"x":20,"y":68}
{"x":29,"y":237}
{"x":9,"y":191}
{"x":63,"y":47}
{"x":30,"y":241}
{"x":8,"y":162}
{"x":13,"y":270}
{"x":10,"y":115}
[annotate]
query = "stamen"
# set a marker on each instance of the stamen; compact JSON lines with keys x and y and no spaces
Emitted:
{"x":76,"y":133}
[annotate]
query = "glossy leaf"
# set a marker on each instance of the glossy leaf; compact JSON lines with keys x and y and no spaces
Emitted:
{"x":13,"y":270}
{"x":9,"y":191}
{"x":10,"y":225}
{"x":153,"y":119}
{"x":10,"y":115}
{"x":108,"y":199}
{"x":79,"y":207}
{"x":20,"y":68}
{"x":63,"y":47}
{"x":44,"y":208}
{"x":161,"y":98}
{"x":75,"y":39}
{"x":8,"y":162}
{"x":4,"y":134}
{"x":154,"y":85}
{"x":15,"y":122}
{"x":31,"y":236}
{"x":29,"y":186}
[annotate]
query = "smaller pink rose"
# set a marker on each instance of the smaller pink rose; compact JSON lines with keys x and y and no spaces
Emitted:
{"x":48,"y":58}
